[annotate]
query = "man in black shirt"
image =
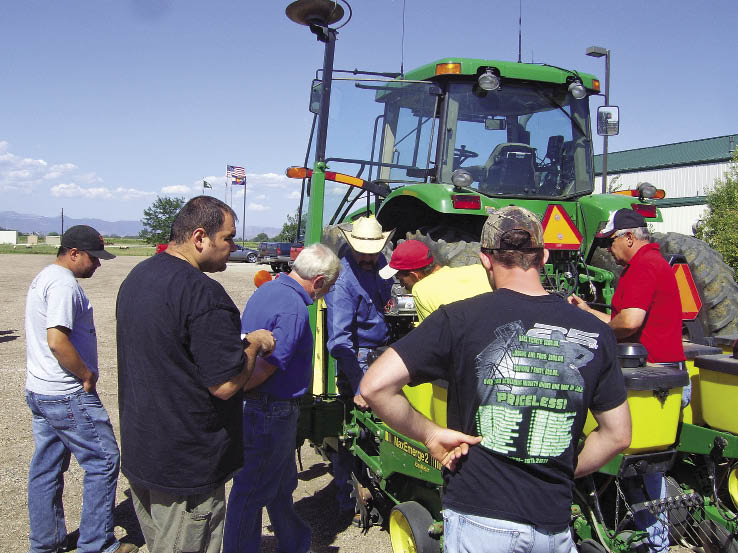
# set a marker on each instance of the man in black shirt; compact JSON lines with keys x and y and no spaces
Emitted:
{"x":523,"y":368}
{"x":181,"y":368}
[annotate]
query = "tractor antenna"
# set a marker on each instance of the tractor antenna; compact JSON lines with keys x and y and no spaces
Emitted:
{"x":402,"y":47}
{"x":520,"y":29}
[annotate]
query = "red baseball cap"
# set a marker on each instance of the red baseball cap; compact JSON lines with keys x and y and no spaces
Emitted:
{"x":408,"y":256}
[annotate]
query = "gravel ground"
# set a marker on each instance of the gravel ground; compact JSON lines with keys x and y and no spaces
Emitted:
{"x":314,"y":494}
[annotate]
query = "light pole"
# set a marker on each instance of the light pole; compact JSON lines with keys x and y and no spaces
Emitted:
{"x":598,"y":52}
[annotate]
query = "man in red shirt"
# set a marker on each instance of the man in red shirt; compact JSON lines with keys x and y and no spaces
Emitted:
{"x":646,"y":308}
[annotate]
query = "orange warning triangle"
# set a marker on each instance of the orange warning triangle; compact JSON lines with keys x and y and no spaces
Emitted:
{"x":559,"y":231}
{"x":691,"y":301}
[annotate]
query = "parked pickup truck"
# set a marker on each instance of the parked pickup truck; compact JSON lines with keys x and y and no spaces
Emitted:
{"x":295,"y":251}
{"x":277,"y":254}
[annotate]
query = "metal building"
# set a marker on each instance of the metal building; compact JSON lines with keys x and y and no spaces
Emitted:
{"x":685,"y":170}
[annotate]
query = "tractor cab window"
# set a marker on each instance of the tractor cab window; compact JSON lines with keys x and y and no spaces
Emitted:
{"x":518,"y":140}
{"x":381,"y":130}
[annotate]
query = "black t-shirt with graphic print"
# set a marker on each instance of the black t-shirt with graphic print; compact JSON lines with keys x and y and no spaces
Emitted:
{"x":522,"y":372}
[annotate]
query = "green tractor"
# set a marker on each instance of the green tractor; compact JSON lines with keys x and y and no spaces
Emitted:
{"x":429,"y":152}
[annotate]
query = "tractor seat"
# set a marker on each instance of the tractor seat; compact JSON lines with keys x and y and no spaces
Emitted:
{"x":510,"y":169}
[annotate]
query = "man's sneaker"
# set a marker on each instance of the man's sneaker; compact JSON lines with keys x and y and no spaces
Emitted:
{"x":126,"y":548}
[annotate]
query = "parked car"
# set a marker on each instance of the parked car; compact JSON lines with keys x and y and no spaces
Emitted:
{"x":295,"y":251}
{"x":243,"y":255}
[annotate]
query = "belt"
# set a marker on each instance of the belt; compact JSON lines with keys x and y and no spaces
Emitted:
{"x":266,"y":398}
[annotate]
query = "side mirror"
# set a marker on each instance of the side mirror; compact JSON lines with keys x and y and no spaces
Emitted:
{"x":608,"y":120}
{"x":316,"y":93}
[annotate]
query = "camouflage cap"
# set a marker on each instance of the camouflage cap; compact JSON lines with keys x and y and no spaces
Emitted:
{"x":501,"y":221}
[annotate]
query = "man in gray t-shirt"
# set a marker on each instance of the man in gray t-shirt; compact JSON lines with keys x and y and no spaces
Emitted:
{"x":68,"y":417}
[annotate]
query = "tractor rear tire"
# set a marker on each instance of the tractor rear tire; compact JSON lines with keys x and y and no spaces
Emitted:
{"x":449,"y":246}
{"x":408,"y":529}
{"x":714,"y":279}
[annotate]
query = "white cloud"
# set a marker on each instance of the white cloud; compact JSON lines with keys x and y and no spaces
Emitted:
{"x":90,"y":178}
{"x":74,"y":190}
{"x":260,"y":197}
{"x":335,"y":189}
{"x":176,"y":189}
{"x":258,"y":207}
{"x":25,"y":174}
{"x":294,"y":195}
{"x":132,"y":193}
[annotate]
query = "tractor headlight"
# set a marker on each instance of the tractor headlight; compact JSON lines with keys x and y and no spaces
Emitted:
{"x":461,"y":178}
{"x":488,"y":81}
{"x":577,"y":90}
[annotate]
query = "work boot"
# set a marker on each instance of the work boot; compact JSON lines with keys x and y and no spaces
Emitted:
{"x":126,"y":548}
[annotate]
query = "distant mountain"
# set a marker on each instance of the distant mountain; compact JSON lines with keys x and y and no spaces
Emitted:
{"x":23,"y":222}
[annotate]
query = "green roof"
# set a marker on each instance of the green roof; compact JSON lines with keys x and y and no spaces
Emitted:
{"x":693,"y":152}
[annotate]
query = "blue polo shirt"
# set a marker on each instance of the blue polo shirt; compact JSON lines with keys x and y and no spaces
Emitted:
{"x":281,"y":307}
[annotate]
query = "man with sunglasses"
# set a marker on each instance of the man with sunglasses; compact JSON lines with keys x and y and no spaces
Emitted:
{"x":646,"y":308}
{"x":523,"y":368}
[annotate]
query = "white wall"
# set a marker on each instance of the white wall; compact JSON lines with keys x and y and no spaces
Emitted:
{"x":679,"y":219}
{"x":678,"y":182}
{"x":8,"y":237}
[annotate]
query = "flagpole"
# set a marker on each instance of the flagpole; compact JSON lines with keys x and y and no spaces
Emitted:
{"x":243,"y":231}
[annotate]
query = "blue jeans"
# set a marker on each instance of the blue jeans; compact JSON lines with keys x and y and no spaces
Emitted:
{"x":344,"y":463}
{"x":646,"y":488}
{"x":63,"y":425}
{"x":267,"y":479}
{"x":474,"y":534}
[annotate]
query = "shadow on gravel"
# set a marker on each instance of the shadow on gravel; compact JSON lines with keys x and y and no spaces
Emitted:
{"x":320,"y":511}
{"x":315,"y":471}
{"x":5,"y":338}
{"x":125,"y":517}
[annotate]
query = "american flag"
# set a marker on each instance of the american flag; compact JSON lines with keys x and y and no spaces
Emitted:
{"x":235,"y":171}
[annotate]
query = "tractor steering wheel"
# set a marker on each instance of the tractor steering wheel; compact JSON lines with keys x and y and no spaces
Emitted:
{"x":462,"y":154}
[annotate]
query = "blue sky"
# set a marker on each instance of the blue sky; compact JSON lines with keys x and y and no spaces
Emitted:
{"x":106,"y":103}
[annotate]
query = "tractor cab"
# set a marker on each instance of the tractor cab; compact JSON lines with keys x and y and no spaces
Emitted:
{"x":512,"y":130}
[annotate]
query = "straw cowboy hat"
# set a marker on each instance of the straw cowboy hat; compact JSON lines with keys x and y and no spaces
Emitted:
{"x":366,"y":236}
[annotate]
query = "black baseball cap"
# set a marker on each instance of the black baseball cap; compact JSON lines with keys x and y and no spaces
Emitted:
{"x":622,"y":219}
{"x":87,"y":239}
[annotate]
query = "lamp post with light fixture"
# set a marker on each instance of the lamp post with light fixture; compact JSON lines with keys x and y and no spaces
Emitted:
{"x":598,"y":52}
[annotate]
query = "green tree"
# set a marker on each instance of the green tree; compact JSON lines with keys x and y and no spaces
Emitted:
{"x":261,"y":237}
{"x":158,"y":219}
{"x":719,"y":225}
{"x":289,"y":229}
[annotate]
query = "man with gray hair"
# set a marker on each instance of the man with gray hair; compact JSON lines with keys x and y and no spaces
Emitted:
{"x":646,"y":308}
{"x":271,"y":405}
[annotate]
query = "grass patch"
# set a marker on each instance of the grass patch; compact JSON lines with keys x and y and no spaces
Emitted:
{"x":43,"y":249}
